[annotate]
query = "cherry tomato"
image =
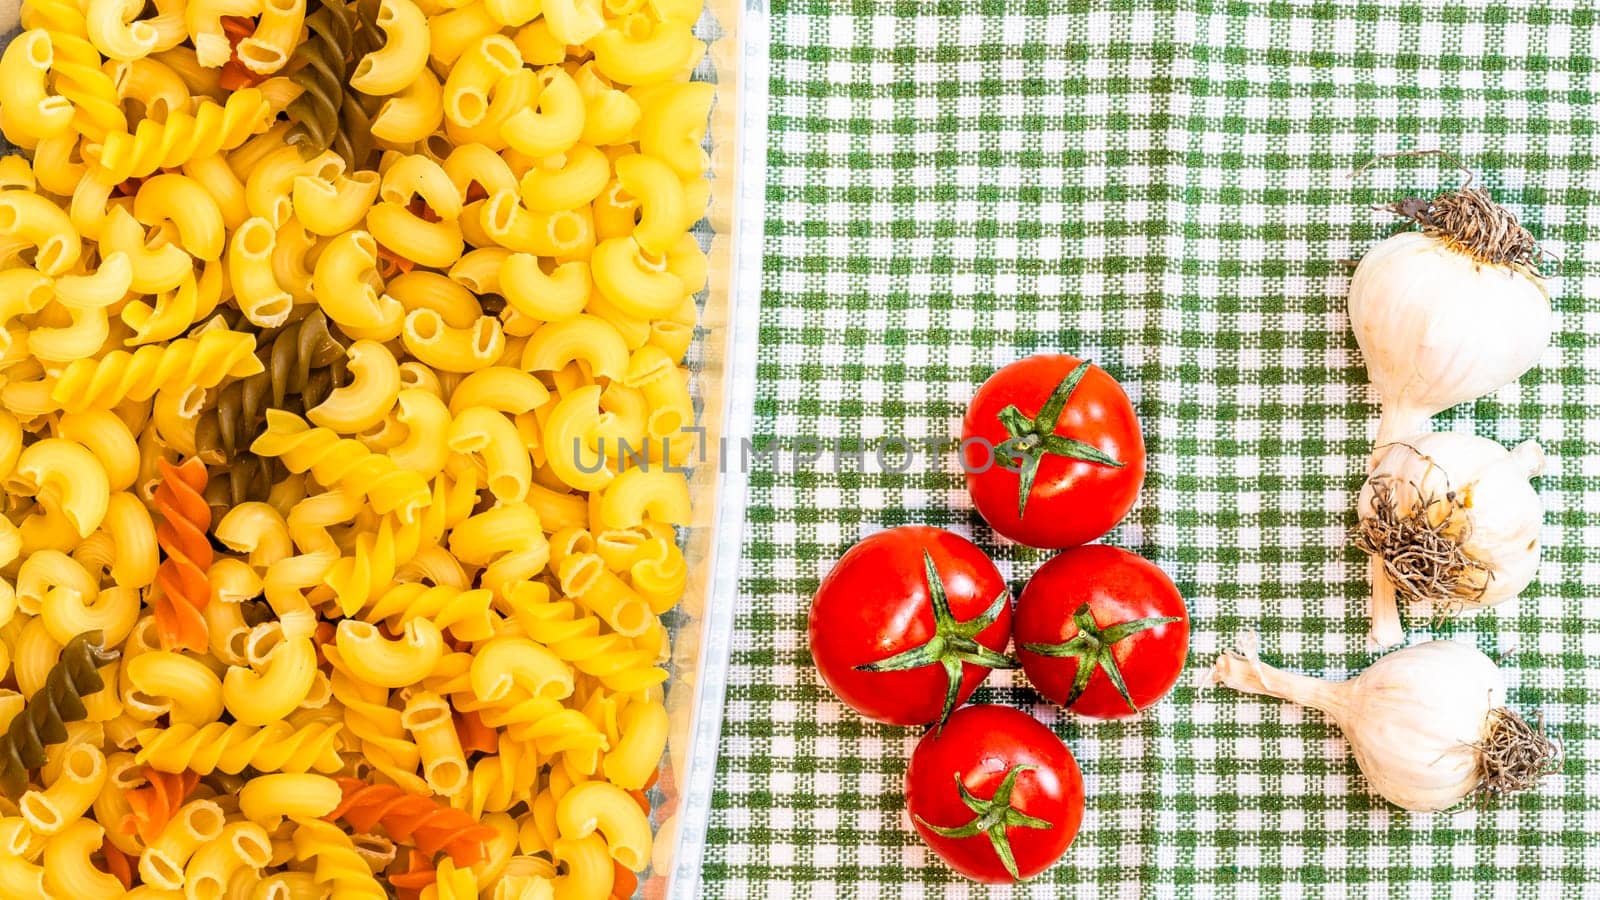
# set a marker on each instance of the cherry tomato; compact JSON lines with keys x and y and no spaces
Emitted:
{"x":908,"y":623}
{"x":1102,"y":631}
{"x":1052,"y":451}
{"x":995,"y":794}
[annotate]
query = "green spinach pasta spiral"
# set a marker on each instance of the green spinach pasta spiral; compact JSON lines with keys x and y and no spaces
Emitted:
{"x":330,"y":114}
{"x":304,"y":362}
{"x":44,"y":720}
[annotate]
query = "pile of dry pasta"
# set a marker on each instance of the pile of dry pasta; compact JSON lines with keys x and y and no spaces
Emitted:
{"x":341,"y":347}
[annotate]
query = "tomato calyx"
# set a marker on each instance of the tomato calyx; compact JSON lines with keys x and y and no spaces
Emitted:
{"x":993,"y":817}
{"x":1092,"y":648}
{"x":1033,"y":438}
{"x":953,"y":643}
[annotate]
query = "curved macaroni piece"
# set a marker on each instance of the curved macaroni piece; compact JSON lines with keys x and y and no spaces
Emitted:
{"x":347,"y":286}
{"x":583,"y":337}
{"x":639,"y":51}
{"x":181,"y":686}
{"x":82,"y":777}
{"x":636,"y":285}
{"x":579,"y":176}
{"x":182,"y":137}
{"x":257,"y":529}
{"x":329,"y":208}
{"x":414,"y":113}
{"x":568,"y":441}
{"x":488,"y":434}
{"x":404,"y":54}
{"x":600,"y":806}
{"x":243,"y":848}
{"x":192,"y":209}
{"x":199,"y":822}
{"x":502,"y":388}
{"x":555,"y":296}
{"x":672,"y":127}
{"x":370,"y":395}
{"x":34,"y":221}
{"x":68,"y":477}
{"x":562,"y":234}
{"x":659,"y":495}
{"x":276,"y":34}
{"x":289,"y":672}
{"x":114,"y":32}
{"x":444,"y":763}
{"x":267,"y":799}
{"x":585,"y":578}
{"x":574,"y":21}
{"x":425,"y":417}
{"x":490,"y":60}
{"x":662,"y":204}
{"x":30,"y":110}
{"x":427,"y":243}
{"x":434,"y":342}
{"x":377,"y":660}
{"x":155,"y":267}
{"x":554,"y":123}
{"x":509,"y":668}
{"x":255,"y":286}
{"x":66,"y":612}
{"x":68,"y":870}
{"x":507,"y":540}
{"x":458,"y":306}
{"x":633,"y":761}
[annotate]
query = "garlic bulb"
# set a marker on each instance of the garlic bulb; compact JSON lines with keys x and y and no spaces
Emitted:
{"x":1428,"y":724}
{"x":1451,"y":523}
{"x":1450,"y":313}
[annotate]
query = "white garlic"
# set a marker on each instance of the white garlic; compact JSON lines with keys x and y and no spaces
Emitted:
{"x":1439,"y":324}
{"x":1451,"y":523}
{"x":1427,"y":724}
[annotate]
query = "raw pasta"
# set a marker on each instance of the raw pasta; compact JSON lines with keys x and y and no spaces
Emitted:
{"x":344,"y":410}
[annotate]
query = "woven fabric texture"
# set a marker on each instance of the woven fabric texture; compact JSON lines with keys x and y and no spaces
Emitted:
{"x":1163,"y":188}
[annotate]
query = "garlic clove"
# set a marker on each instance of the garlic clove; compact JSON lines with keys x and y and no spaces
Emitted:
{"x":1438,"y":327}
{"x":1451,"y":523}
{"x":1427,"y":724}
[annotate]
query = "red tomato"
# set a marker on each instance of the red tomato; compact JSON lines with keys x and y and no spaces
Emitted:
{"x":1052,"y":451}
{"x":995,"y":794}
{"x":908,"y":623}
{"x":1102,"y":631}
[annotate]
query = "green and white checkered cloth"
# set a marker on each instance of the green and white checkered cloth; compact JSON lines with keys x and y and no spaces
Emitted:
{"x":1161,"y":187}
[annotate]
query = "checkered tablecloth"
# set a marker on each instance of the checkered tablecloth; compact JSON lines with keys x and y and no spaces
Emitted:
{"x":1162,"y":187}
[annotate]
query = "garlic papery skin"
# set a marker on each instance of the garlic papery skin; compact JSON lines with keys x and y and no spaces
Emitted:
{"x":1439,"y":327}
{"x":1415,"y":719}
{"x":1451,"y":523}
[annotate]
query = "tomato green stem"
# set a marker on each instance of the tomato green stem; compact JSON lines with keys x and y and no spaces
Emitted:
{"x":993,"y":817}
{"x":1033,"y":439}
{"x":953,"y":643}
{"x":1094,"y":648}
